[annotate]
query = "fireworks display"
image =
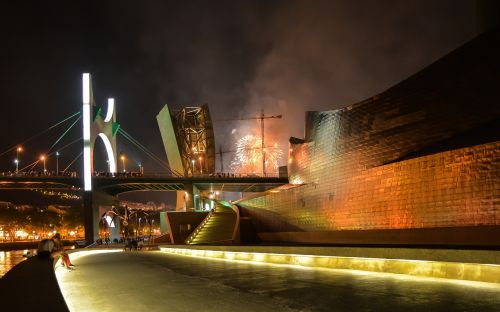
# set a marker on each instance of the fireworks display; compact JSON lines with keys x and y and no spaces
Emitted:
{"x":248,"y":157}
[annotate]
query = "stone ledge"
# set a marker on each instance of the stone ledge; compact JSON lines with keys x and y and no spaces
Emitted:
{"x":467,"y":265}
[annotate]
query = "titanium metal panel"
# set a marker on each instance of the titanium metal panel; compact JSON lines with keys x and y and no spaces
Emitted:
{"x":165,"y":124}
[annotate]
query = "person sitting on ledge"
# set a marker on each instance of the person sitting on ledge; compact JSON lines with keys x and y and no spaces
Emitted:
{"x":59,"y":251}
{"x":52,"y":248}
{"x":45,"y":248}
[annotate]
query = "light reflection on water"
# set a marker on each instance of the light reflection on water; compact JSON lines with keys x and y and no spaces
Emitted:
{"x":9,"y":258}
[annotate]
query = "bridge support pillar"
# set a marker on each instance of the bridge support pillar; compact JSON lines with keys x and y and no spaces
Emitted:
{"x":181,"y":201}
{"x":91,"y":218}
{"x":92,"y":201}
{"x":191,"y":197}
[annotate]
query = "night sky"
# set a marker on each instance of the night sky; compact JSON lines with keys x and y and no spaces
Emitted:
{"x":237,"y":56}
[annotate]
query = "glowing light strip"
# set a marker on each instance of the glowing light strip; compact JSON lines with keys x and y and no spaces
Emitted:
{"x":465,"y":273}
{"x":86,"y":122}
{"x":86,"y":88}
{"x":87,"y":169}
{"x":77,"y":254}
{"x":109,"y":151}
{"x":111,"y":108}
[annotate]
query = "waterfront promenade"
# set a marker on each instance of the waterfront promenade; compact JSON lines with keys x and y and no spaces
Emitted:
{"x":157,"y":281}
{"x":110,"y":279}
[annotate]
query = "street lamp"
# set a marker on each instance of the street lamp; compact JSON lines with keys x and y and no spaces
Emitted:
{"x":139,"y":227}
{"x":122,"y":157}
{"x":44,"y":168}
{"x":192,"y":167}
{"x":57,"y":163}
{"x":18,"y":150}
{"x":141,"y":169}
{"x":201,"y":167}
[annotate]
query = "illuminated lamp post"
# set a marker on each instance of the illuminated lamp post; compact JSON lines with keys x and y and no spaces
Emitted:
{"x":122,"y":157}
{"x":18,"y":150}
{"x":201,"y":167}
{"x":192,"y":167}
{"x":42,"y":158}
{"x":57,"y":163}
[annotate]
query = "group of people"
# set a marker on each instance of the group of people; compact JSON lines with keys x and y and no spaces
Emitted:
{"x":52,"y":248}
{"x":34,"y":173}
{"x":131,"y":243}
{"x":127,"y":174}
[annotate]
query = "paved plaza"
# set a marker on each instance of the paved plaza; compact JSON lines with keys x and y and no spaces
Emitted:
{"x":155,"y":281}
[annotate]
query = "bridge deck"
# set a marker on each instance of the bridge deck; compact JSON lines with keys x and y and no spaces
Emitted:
{"x":120,"y":184}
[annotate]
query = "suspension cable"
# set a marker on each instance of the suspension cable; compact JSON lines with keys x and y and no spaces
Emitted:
{"x":39,"y":133}
{"x":65,"y":146}
{"x":33,"y":164}
{"x":147,"y":152}
{"x":79,"y":155}
{"x":64,"y":133}
{"x":142,"y":148}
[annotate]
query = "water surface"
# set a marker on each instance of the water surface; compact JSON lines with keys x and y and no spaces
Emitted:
{"x":9,"y":258}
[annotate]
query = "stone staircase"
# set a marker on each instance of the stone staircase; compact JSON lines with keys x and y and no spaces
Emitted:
{"x":221,"y":227}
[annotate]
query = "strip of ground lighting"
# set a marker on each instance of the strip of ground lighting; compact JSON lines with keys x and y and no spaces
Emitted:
{"x":476,"y":274}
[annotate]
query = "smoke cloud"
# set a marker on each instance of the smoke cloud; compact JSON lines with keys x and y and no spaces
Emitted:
{"x":238,"y":56}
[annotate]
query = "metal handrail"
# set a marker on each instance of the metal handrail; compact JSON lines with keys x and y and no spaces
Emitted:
{"x":138,"y":175}
{"x":198,"y":228}
{"x":202,"y":224}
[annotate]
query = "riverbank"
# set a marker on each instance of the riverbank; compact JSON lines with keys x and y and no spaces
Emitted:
{"x":5,"y":246}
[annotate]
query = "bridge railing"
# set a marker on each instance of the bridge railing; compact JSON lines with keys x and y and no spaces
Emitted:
{"x":210,"y":175}
{"x":39,"y":174}
{"x":132,"y":174}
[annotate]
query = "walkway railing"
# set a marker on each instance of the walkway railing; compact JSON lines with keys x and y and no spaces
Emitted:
{"x":135,"y":175}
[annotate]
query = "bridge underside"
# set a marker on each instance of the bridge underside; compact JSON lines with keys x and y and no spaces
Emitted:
{"x":192,"y":192}
{"x":141,"y":187}
{"x":116,"y":189}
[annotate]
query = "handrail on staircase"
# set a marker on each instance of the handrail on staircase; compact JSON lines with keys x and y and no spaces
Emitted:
{"x":198,"y":228}
{"x":234,"y":236}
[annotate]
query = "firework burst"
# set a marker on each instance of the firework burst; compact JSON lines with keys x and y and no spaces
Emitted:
{"x":248,"y":157}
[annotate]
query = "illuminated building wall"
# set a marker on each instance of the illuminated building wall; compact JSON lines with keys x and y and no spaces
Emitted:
{"x":421,"y":155}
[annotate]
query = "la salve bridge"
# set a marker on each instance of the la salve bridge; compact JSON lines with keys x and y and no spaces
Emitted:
{"x":100,"y":189}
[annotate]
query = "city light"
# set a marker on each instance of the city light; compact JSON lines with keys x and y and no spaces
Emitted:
{"x":110,"y":153}
{"x":122,"y":157}
{"x":87,"y":161}
{"x":18,"y":150}
{"x":57,"y":163}
{"x":42,"y":158}
{"x":111,"y":108}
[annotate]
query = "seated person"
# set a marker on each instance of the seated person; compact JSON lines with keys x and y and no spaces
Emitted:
{"x":45,"y":248}
{"x":58,"y":250}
